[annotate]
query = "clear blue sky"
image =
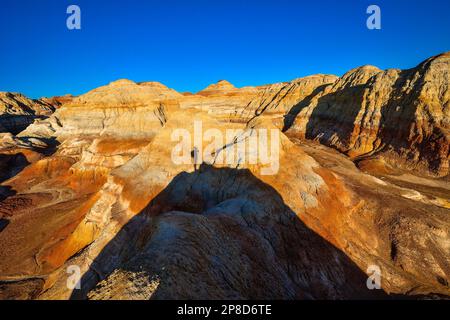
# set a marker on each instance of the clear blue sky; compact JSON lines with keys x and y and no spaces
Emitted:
{"x":190,"y":44}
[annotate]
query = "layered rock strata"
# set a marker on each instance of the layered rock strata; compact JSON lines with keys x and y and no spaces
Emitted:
{"x":94,"y":185}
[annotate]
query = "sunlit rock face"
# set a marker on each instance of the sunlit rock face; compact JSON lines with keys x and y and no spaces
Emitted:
{"x":242,"y":105}
{"x":93,"y":184}
{"x":17,"y":111}
{"x":401,"y":116}
{"x":122,"y":108}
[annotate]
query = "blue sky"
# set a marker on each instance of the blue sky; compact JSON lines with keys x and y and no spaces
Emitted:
{"x":190,"y":44}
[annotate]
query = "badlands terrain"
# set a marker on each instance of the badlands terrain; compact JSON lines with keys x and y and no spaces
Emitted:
{"x":363,"y":180}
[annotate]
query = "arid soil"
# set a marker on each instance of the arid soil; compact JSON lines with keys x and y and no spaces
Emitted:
{"x":363,"y":180}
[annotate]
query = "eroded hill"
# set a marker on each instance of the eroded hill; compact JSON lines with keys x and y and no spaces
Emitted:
{"x":362,"y":181}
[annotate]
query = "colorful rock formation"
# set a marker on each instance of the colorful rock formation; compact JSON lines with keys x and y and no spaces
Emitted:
{"x":94,"y":185}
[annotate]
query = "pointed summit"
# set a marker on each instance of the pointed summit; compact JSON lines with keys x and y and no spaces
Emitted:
{"x":223,"y":84}
{"x":220,"y":86}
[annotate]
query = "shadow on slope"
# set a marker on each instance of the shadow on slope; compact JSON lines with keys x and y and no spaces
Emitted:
{"x":332,"y":121}
{"x":15,"y":124}
{"x":346,"y":120}
{"x":221,"y":234}
{"x":290,"y":117}
{"x":408,"y":126}
{"x":11,"y":164}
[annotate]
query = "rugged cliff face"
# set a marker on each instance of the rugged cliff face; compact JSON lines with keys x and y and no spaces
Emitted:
{"x":95,"y":185}
{"x":399,"y":116}
{"x":17,"y":111}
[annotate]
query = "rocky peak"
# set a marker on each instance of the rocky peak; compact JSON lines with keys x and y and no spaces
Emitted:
{"x":18,"y":104}
{"x":216,"y":88}
{"x":122,"y":82}
{"x":358,"y":76}
{"x":126,"y":93}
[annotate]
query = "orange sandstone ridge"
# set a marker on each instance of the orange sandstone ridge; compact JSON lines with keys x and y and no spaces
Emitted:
{"x":363,"y":180}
